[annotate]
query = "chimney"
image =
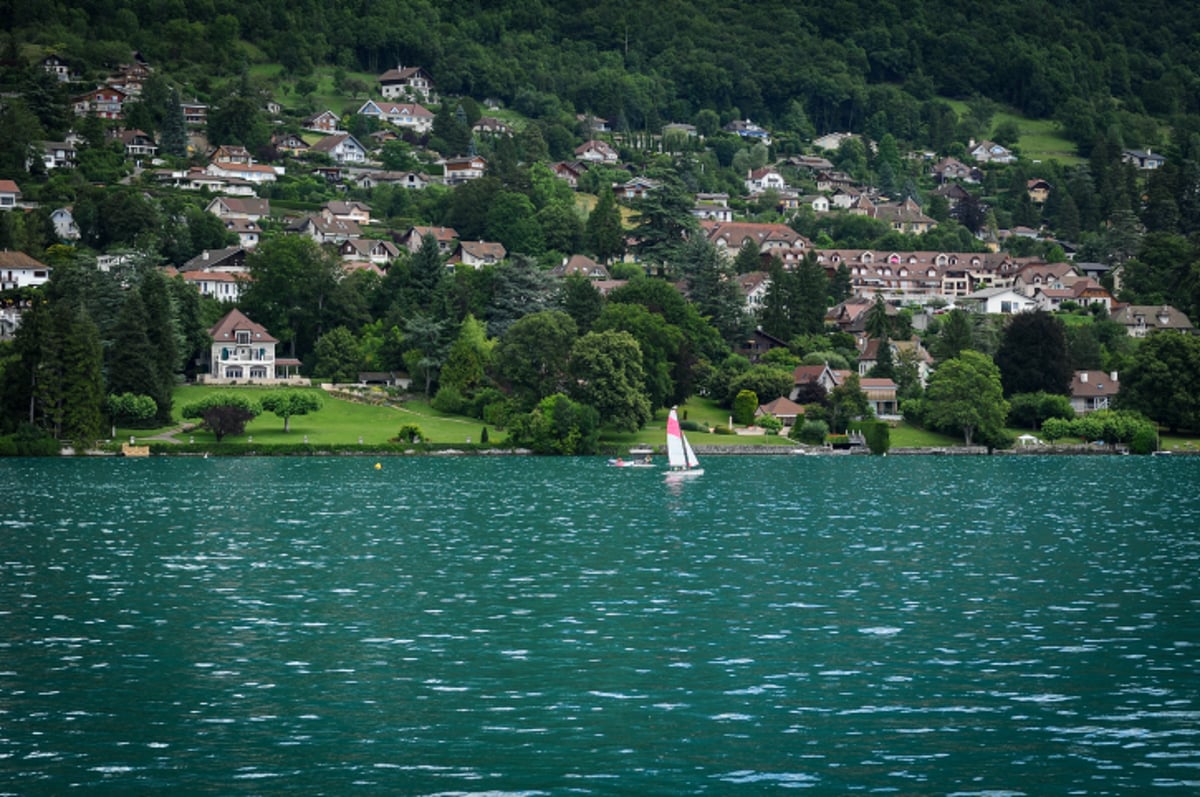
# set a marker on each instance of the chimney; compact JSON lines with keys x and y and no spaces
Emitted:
{"x":1113,"y":376}
{"x":204,"y":255}
{"x":1083,"y":377}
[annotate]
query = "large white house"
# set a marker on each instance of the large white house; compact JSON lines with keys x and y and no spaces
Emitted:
{"x":19,"y":270}
{"x":244,"y":351}
{"x":402,"y":114}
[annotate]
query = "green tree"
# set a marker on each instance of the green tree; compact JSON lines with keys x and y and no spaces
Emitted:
{"x":580,"y":299}
{"x":1164,"y":382}
{"x":954,"y":336}
{"x":604,"y":234}
{"x":225,"y":413}
{"x":531,"y":356}
{"x":287,"y":403}
{"x":607,"y":371}
{"x":663,"y":221}
{"x":712,"y":287}
{"x":128,"y":409}
{"x":745,"y":403}
{"x":173,"y":136}
{"x":1033,"y":355}
{"x":847,"y":402}
{"x":160,"y":328}
{"x":1031,"y":410}
{"x":469,"y":358}
{"x":965,"y":393}
{"x":520,"y":288}
{"x":338,"y":356}
{"x":291,"y":278}
{"x":557,"y":425}
{"x":131,"y":354}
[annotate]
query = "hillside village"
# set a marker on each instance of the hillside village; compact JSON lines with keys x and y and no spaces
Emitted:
{"x":374,"y":186}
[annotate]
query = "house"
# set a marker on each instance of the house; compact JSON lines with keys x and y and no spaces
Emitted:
{"x":326,"y":229}
{"x":834,"y":180}
{"x":991,"y":152}
{"x":408,"y":115}
{"x":369,"y":249}
{"x":323,"y":122}
{"x":635,"y":187}
{"x":130,"y":77}
{"x":137,"y":143}
{"x":10,"y":195}
{"x":245,"y":351}
{"x":593,"y":124}
{"x":733,"y":235}
{"x":289,"y":143}
{"x":247,"y":231}
{"x":747,"y":129}
{"x":224,"y":286}
{"x":596,"y":152}
{"x":713,"y":210}
{"x":253,"y":173}
{"x":195,"y":113}
{"x":411,"y":180}
{"x":953,"y":193}
{"x":1004,"y":301}
{"x":767,"y":178}
{"x":446,"y":237}
{"x":342,"y":148}
{"x":354,"y":211}
{"x":231,"y":153}
{"x":753,"y":287}
{"x":786,"y":410}
{"x":56,"y":66}
{"x":58,"y":154}
{"x":491,"y":126}
{"x":64,"y":224}
{"x":757,"y":344}
{"x":412,"y":81}
{"x":1141,"y":320}
{"x":250,"y":209}
{"x":953,"y":169}
{"x":905,"y":217}
{"x":582,"y":265}
{"x":461,"y":170}
{"x":1086,"y":292}
{"x":881,"y":396}
{"x":1031,"y":276}
{"x":808,"y":380}
{"x":570,"y":171}
{"x":105,"y":102}
{"x":19,"y":270}
{"x":478,"y":254}
{"x":1143,"y":159}
{"x":818,"y":202}
{"x":1093,"y":390}
{"x":1038,"y":190}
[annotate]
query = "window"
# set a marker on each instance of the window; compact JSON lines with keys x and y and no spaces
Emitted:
{"x":243,"y":336}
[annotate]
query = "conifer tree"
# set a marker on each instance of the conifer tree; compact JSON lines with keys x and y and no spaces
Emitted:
{"x":603,"y":232}
{"x":160,"y":329}
{"x":173,"y":136}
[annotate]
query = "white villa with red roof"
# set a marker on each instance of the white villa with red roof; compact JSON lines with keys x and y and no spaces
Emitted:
{"x":243,"y":351}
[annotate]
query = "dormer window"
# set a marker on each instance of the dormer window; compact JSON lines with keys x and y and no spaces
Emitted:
{"x":242,"y":336}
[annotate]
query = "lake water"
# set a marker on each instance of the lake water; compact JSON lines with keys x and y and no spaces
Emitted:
{"x":527,"y":626}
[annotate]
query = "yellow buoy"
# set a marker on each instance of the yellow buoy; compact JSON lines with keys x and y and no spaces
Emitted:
{"x":378,"y":466}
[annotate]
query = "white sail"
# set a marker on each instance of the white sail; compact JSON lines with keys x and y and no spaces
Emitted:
{"x":680,"y":456}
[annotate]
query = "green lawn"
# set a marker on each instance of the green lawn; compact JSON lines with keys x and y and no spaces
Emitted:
{"x":338,"y":422}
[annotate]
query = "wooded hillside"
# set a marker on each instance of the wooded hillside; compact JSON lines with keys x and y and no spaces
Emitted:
{"x":1095,"y":65}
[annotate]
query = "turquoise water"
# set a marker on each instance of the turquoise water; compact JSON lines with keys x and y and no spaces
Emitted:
{"x":527,"y":626}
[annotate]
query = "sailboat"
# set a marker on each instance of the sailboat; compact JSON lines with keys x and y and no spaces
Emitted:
{"x":680,"y":456}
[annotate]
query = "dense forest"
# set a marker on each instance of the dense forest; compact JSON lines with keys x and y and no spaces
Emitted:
{"x":1095,"y":65}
